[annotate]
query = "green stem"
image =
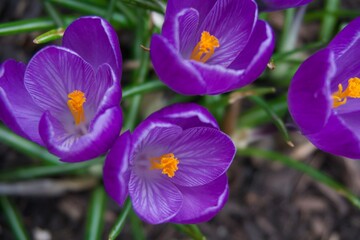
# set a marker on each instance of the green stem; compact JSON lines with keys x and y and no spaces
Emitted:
{"x":136,"y":227}
{"x":304,"y":168}
{"x":190,"y":230}
{"x":120,"y":222}
{"x":95,"y":218}
{"x":13,"y":218}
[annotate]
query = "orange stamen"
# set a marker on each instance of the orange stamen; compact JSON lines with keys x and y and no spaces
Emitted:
{"x":167,"y":163}
{"x":75,"y":103}
{"x":205,"y":48}
{"x":352,"y":91}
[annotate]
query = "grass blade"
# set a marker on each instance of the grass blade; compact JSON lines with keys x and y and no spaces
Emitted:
{"x":13,"y":218}
{"x":28,"y":25}
{"x":304,"y":168}
{"x":190,"y":230}
{"x":95,"y":218}
{"x":143,"y":88}
{"x":120,"y":222}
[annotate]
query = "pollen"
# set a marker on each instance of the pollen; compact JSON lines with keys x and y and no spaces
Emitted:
{"x":167,"y":163}
{"x":352,"y":91}
{"x":205,"y":48}
{"x":76,"y":105}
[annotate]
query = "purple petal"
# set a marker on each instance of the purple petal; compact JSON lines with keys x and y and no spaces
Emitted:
{"x":186,"y":115}
{"x":116,"y":173}
{"x":188,"y":21}
{"x":309,"y":92}
{"x":218,"y":78}
{"x":202,"y":203}
{"x":256,"y":54}
{"x":204,"y":154}
{"x":76,"y":147}
{"x":154,"y":199}
{"x":173,"y":70}
{"x":232,"y":23}
{"x":170,"y":28}
{"x":346,"y":47}
{"x":52,"y":74}
{"x":274,"y":5}
{"x":17,"y":109}
{"x":94,"y":39}
{"x":337,"y":137}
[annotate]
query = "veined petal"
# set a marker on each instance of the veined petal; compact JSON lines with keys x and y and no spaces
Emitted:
{"x":186,"y":115}
{"x":17,"y":109}
{"x":76,"y":147}
{"x":188,"y":21}
{"x":309,"y":95}
{"x":173,"y":70}
{"x":231,"y":22}
{"x":116,"y":173}
{"x":95,"y":40}
{"x":204,"y":154}
{"x":154,"y":198}
{"x":255,"y":56}
{"x":52,"y":74}
{"x":202,"y":203}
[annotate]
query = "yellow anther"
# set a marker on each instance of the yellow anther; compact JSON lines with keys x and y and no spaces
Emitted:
{"x":75,"y":103}
{"x":167,"y":163}
{"x":205,"y":48}
{"x":352,"y":91}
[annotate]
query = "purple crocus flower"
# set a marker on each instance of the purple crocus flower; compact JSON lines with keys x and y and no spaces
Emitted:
{"x":211,"y":47}
{"x":173,"y":166}
{"x":67,"y":98}
{"x":274,"y":5}
{"x":324,"y":95}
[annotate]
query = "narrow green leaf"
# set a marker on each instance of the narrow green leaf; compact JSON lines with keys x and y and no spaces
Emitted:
{"x":95,"y":218}
{"x":146,"y":4}
{"x":54,"y":14}
{"x":42,"y":171}
{"x":304,"y":168}
{"x":190,"y":230}
{"x":27,"y":25}
{"x":143,"y":88}
{"x":49,"y":36}
{"x":275,"y":118}
{"x":13,"y":218}
{"x":110,"y":10}
{"x":27,"y":147}
{"x":329,"y":20}
{"x":120,"y":222}
{"x":136,"y":227}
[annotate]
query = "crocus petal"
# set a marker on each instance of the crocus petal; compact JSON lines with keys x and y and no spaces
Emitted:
{"x":274,"y":5}
{"x":309,"y":92}
{"x":17,"y":109}
{"x":116,"y":169}
{"x":338,"y":138}
{"x":52,"y":74}
{"x":202,"y":203}
{"x":186,"y":115}
{"x":346,"y":48}
{"x":204,"y":154}
{"x":75,"y":148}
{"x":171,"y":68}
{"x":173,"y":7}
{"x":232,"y":23}
{"x":256,"y":54}
{"x":154,"y":199}
{"x":94,"y":40}
{"x":188,"y":21}
{"x":219,"y":79}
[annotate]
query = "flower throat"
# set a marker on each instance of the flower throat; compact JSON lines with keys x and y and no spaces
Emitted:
{"x":167,"y":163}
{"x":205,"y":48}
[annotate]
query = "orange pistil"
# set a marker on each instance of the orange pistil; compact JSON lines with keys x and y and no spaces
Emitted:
{"x":167,"y":163}
{"x":75,"y":103}
{"x":205,"y":48}
{"x":352,"y":91}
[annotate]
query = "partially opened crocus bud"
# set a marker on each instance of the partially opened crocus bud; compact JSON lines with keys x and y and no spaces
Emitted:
{"x":212,"y":46}
{"x":67,"y":98}
{"x":324,"y":95}
{"x":173,"y":166}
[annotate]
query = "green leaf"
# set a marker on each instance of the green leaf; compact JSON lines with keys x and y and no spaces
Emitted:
{"x":190,"y":230}
{"x":13,"y":218}
{"x":28,"y":25}
{"x":95,"y":218}
{"x":49,"y":36}
{"x":143,"y":88}
{"x":304,"y":168}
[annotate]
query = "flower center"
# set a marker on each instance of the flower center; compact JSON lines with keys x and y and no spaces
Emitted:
{"x":205,"y":48}
{"x":352,"y":91}
{"x":75,"y":103}
{"x":167,"y":163}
